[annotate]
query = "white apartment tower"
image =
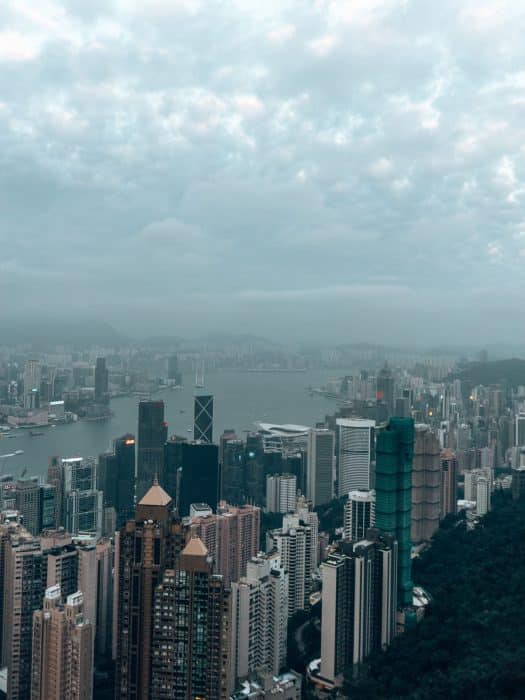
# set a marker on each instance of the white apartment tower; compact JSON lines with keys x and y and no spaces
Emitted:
{"x":359,"y":514}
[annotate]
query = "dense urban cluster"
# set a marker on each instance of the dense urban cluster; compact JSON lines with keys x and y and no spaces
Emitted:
{"x":170,"y":566}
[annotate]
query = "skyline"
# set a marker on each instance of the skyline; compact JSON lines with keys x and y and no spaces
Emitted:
{"x":233,"y":167}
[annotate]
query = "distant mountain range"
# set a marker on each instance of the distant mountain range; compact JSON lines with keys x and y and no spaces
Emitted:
{"x":43,"y":334}
{"x":510,"y":371}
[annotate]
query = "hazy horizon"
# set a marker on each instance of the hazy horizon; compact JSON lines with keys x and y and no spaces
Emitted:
{"x":339,"y":171}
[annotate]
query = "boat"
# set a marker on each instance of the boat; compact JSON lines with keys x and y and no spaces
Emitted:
{"x":18,"y":452}
{"x":182,"y":410}
{"x":35,"y":433}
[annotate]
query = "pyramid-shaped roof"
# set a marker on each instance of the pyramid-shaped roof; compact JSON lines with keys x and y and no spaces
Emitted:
{"x":195,"y":548}
{"x":156,"y":496}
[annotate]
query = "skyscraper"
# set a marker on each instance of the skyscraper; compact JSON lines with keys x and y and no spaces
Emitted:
{"x":200,"y":477}
{"x":359,"y":514}
{"x":320,"y":467}
{"x":395,"y":451}
{"x":203,"y":419}
{"x":359,"y":603}
{"x":82,"y":502}
{"x":101,"y":381}
{"x":32,"y":379}
{"x":519,"y":429}
{"x":296,"y":543}
{"x":281,"y":493}
{"x":145,"y":547}
{"x":117,"y":478}
{"x":152,"y":435}
{"x":23,"y":589}
{"x":62,"y":652}
{"x":260,"y":618}
{"x":28,"y":504}
{"x":426,"y":485}
{"x":449,"y":479}
{"x":191,"y":630}
{"x":355,"y":456}
{"x":385,"y":389}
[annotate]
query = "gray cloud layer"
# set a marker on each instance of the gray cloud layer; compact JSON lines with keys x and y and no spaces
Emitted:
{"x":338,"y":169}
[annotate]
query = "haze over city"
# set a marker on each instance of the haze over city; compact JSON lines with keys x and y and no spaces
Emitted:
{"x":348,"y":170}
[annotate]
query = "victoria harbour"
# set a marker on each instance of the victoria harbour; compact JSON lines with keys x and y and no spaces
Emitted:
{"x":241,"y":399}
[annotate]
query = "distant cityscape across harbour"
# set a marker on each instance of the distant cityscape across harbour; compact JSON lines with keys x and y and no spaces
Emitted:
{"x":241,"y":400}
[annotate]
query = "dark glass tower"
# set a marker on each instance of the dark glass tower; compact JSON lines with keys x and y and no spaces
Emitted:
{"x":117,"y":477}
{"x":173,"y":466}
{"x":394,"y":456}
{"x":200,"y":479}
{"x":385,"y":389}
{"x":153,"y":433}
{"x":203,"y":419}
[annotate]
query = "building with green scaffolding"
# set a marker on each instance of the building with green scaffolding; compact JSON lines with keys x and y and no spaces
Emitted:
{"x":394,"y":455}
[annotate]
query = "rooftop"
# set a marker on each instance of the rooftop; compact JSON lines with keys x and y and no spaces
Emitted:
{"x":156,"y":496}
{"x":195,"y":548}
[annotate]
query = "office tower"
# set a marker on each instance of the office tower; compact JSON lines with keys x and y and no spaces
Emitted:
{"x":54,"y":477}
{"x":259,"y":618}
{"x":402,"y":407}
{"x":394,"y":455}
{"x":233,"y":453}
{"x":32,"y":379}
{"x":231,"y":538}
{"x":191,"y":630}
{"x":359,"y":603}
{"x":385,"y":389}
{"x":449,"y":479}
{"x":24,"y":582}
{"x":173,"y":466}
{"x":82,"y":502}
{"x":152,"y":435}
{"x":144,"y":548}
{"x":62,"y":653}
{"x":281,"y":493}
{"x":255,"y":482}
{"x":295,"y":543}
{"x":28,"y":504}
{"x":203,"y":419}
{"x":426,"y":485}
{"x":47,"y":507}
{"x":359,"y":514}
{"x":101,"y":381}
{"x":519,"y":429}
{"x":483,"y":490}
{"x":320,"y":466}
{"x":117,"y":478}
{"x":200,"y":477}
{"x":105,"y":561}
{"x":355,"y":456}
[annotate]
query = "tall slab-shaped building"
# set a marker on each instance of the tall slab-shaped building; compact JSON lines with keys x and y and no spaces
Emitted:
{"x":394,"y":457}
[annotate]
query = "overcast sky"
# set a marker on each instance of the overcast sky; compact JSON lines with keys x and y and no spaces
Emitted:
{"x":313,"y":169}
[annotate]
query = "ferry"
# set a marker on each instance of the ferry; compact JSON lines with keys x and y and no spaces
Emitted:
{"x":18,"y":452}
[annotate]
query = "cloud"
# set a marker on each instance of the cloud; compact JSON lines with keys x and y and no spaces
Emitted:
{"x":277,"y":153}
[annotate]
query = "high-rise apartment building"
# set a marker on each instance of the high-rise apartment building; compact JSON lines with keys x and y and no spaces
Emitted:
{"x":231,"y":537}
{"x":145,"y":547}
{"x":23,"y":590}
{"x":449,"y":480}
{"x":281,"y":493}
{"x":426,"y":485}
{"x":355,"y":455}
{"x":104,"y":573}
{"x":191,"y":630}
{"x":101,"y":381}
{"x":259,"y":618}
{"x":483,"y":491}
{"x":394,"y":456}
{"x":359,"y":603}
{"x":32,"y":379}
{"x":203,"y":419}
{"x":62,"y":650}
{"x":152,"y":434}
{"x":320,"y":466}
{"x":359,"y":514}
{"x":296,"y":544}
{"x":200,"y":476}
{"x":519,"y":429}
{"x":28,"y":504}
